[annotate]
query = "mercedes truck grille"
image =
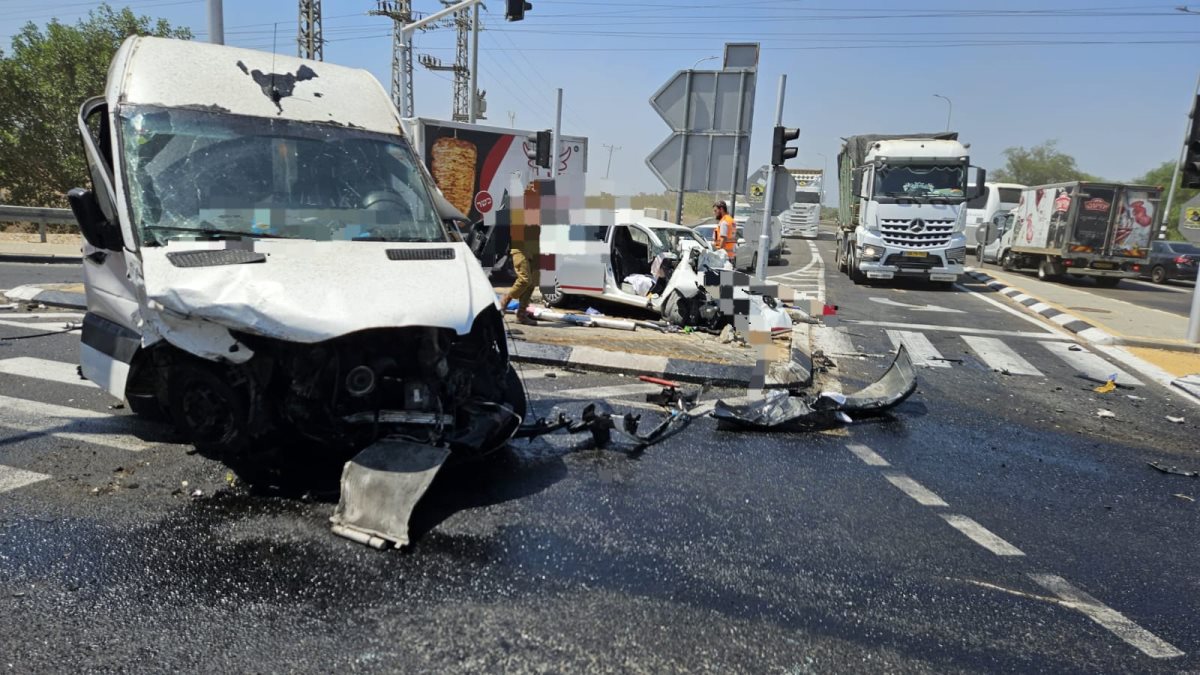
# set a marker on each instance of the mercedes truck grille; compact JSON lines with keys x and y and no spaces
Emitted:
{"x":917,"y":233}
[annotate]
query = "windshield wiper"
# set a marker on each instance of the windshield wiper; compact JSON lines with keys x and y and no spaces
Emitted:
{"x":214,"y":232}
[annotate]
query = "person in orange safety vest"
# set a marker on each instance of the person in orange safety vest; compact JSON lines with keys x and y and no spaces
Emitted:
{"x":725,"y":234}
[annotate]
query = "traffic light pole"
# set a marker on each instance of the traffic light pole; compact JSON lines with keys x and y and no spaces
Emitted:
{"x":1187,"y":133}
{"x":557,"y":131}
{"x":764,"y":237}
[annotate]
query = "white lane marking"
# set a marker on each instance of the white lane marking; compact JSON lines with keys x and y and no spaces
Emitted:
{"x":921,"y":494}
{"x":12,"y":478}
{"x":867,"y":455}
{"x":1116,"y":623}
{"x":958,"y":329}
{"x":45,"y":316}
{"x":1090,"y":365}
{"x":833,"y":342}
{"x":979,"y":295}
{"x":980,"y":535}
{"x":1158,"y":287}
{"x":73,"y":424}
{"x":601,"y":392}
{"x":919,"y":347}
{"x":40,"y":326}
{"x":998,"y":356}
{"x":916,"y":308}
{"x":43,"y":369}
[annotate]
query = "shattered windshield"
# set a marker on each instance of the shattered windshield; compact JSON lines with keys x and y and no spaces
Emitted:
{"x":921,"y":180}
{"x":671,"y":236}
{"x":209,"y":174}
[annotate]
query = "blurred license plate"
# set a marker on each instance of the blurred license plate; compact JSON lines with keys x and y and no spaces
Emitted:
{"x":916,"y":254}
{"x":1101,"y":265}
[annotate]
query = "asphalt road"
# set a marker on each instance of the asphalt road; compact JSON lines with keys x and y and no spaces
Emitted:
{"x":16,"y":274}
{"x":1174,"y":296}
{"x":992,"y":523}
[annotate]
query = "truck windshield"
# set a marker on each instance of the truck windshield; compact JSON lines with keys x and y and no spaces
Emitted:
{"x":920,"y":180}
{"x":804,"y":197}
{"x":206,"y":174}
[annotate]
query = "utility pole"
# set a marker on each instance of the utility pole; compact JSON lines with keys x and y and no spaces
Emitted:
{"x":512,"y":119}
{"x":216,"y":22}
{"x":461,"y":106}
{"x":400,"y":12}
{"x":476,"y":95}
{"x":311,"y":44}
{"x":557,"y":135}
{"x":611,"y":148}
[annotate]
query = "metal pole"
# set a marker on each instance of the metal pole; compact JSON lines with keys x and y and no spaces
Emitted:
{"x":1166,"y":214}
{"x":737,"y":147}
{"x":687,"y":121}
{"x":824,"y":170}
{"x":764,"y":237}
{"x":474,"y":104}
{"x":1193,"y":332}
{"x":402,"y":78}
{"x":216,"y":22}
{"x":557,"y":132}
{"x":949,"y":110}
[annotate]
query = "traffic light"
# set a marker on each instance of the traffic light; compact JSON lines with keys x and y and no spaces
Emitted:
{"x":780,"y":152}
{"x":540,"y":150}
{"x":1191,"y":153}
{"x":514,"y":10}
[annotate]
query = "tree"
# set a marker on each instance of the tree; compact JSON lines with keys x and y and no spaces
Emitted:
{"x":1039,"y":165}
{"x":42,"y":84}
{"x":1161,"y":176}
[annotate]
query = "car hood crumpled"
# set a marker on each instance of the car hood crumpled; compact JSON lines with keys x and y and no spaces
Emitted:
{"x":310,"y":291}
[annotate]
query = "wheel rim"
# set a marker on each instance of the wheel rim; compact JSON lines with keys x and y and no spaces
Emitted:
{"x":206,"y":413}
{"x":1159,"y":275}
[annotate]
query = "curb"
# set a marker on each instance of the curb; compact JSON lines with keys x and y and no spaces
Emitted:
{"x":1073,"y":323}
{"x":49,"y":297}
{"x":40,"y":259}
{"x":792,"y":374}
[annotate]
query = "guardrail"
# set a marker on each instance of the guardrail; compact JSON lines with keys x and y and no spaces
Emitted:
{"x":36,"y":214}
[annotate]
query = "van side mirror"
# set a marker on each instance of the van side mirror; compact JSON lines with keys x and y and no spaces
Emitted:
{"x":92,"y":224}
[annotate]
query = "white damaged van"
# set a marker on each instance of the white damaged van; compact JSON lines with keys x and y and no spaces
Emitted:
{"x":265,"y":254}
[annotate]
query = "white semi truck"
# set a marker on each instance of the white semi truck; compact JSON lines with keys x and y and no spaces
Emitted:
{"x":902,"y":209}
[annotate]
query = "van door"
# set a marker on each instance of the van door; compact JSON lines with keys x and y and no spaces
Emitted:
{"x":582,"y":268}
{"x":110,"y":333}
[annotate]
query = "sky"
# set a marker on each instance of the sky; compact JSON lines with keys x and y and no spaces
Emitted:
{"x":1111,"y":80}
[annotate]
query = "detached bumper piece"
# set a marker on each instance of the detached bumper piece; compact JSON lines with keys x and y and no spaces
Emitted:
{"x":780,"y":409}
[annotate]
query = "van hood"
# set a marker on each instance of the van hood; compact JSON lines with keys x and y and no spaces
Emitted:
{"x":310,"y":291}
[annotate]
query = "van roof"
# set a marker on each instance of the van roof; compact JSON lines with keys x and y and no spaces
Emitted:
{"x":199,"y":75}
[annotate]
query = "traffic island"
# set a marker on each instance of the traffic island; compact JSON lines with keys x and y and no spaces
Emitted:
{"x":67,"y":296}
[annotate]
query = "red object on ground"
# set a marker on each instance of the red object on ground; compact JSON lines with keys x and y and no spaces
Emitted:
{"x":829,"y":310}
{"x":658,"y":381}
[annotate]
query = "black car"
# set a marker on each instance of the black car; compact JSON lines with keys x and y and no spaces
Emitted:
{"x":1171,"y":260}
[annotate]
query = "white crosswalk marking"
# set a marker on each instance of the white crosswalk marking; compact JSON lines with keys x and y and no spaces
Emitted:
{"x":920,"y":349}
{"x":12,"y":478}
{"x":74,"y":424}
{"x":998,"y":356}
{"x":1089,"y":364}
{"x":833,"y":342}
{"x":43,"y":369}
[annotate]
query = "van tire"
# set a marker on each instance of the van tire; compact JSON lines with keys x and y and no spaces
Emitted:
{"x":210,"y":412}
{"x":556,"y":298}
{"x":1007,"y":263}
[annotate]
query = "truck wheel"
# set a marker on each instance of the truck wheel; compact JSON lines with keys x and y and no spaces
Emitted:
{"x":1047,"y":271}
{"x":1007,"y":262}
{"x":1108,"y":282}
{"x":1158,"y":275}
{"x":840,"y":257}
{"x":856,"y":275}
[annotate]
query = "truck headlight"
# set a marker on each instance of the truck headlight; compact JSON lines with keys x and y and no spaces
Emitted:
{"x":871,"y":253}
{"x":957,"y":255}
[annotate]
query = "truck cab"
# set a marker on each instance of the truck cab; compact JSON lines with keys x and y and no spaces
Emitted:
{"x":904,"y":208}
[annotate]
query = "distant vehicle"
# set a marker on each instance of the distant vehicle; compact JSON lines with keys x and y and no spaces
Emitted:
{"x":983,"y":207}
{"x":1171,"y":260}
{"x":992,"y":242}
{"x":804,"y":215}
{"x":902,"y":206}
{"x":1097,"y":230}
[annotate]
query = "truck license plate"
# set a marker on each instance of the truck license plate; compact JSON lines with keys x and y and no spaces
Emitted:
{"x":916,"y":254}
{"x":943,"y":277}
{"x":1101,"y":265}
